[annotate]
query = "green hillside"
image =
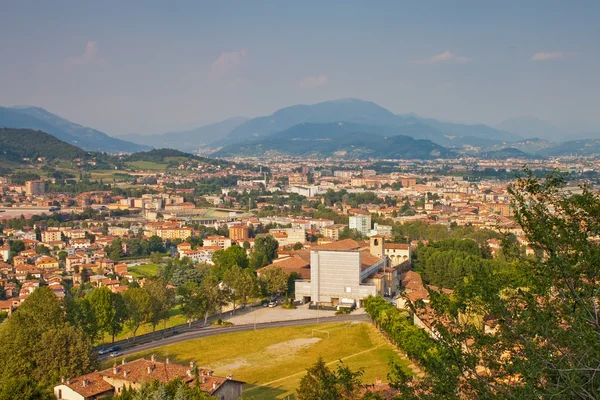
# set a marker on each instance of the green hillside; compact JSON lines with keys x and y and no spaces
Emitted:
{"x":17,"y":144}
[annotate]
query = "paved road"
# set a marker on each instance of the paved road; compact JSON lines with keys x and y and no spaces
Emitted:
{"x":211,"y":331}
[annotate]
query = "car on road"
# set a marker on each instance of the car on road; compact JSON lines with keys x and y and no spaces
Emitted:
{"x":115,"y":354}
{"x":272,"y":303}
{"x":111,"y":349}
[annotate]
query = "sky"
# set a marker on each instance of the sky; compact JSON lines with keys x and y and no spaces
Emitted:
{"x":156,"y":66}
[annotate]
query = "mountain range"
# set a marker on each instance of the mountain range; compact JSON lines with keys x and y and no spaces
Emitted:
{"x":189,"y":140}
{"x":334,"y":125}
{"x":338,"y":139}
{"x":86,"y":138}
{"x":365,"y":113}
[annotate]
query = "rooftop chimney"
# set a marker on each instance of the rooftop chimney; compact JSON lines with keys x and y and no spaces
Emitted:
{"x":378,"y":380}
{"x":153,"y":357}
{"x":123,"y":361}
{"x":192,"y":365}
{"x":84,"y":383}
{"x":189,"y":373}
{"x":149,"y":370}
{"x":125,"y":373}
{"x":62,"y":379}
{"x":115,"y":370}
{"x":68,"y":381}
{"x":215,"y":384}
{"x":167,"y":360}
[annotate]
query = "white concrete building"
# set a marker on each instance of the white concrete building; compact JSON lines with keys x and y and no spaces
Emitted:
{"x":361,"y":222}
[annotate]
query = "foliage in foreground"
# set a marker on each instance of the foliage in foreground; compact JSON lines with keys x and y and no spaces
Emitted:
{"x":547,"y":339}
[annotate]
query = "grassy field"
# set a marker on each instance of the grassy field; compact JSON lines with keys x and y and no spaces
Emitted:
{"x":147,"y":165}
{"x":144,"y":271}
{"x":272,"y":361}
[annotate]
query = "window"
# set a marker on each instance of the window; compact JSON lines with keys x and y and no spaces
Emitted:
{"x":348,"y":289}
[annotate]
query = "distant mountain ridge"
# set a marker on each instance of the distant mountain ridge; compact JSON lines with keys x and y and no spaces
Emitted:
{"x":37,"y":118}
{"x":342,"y":140}
{"x":366,"y":113}
{"x":188,"y":140}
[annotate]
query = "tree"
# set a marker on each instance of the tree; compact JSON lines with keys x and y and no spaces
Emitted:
{"x":156,"y":257}
{"x":109,"y":310}
{"x":79,"y":312}
{"x":162,"y":299}
{"x":226,"y":259}
{"x":62,"y":255}
{"x":138,"y":307}
{"x":193,"y":302}
{"x":17,"y":246}
{"x":273,"y":280}
{"x":42,"y":250}
{"x":25,"y":389}
{"x":213,"y":295}
{"x":320,"y":383}
{"x":241,"y":284}
{"x":545,"y":343}
{"x":36,"y":333}
{"x":155,"y":244}
{"x":264,"y":252}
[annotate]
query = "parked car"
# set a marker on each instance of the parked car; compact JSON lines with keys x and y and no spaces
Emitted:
{"x":272,"y":303}
{"x":104,"y":351}
{"x":115,"y":354}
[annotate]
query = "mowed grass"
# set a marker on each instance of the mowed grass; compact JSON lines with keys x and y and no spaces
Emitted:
{"x":272,"y":361}
{"x":144,"y":271}
{"x":147,"y":165}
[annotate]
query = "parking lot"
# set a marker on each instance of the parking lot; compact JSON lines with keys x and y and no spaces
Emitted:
{"x":265,"y":314}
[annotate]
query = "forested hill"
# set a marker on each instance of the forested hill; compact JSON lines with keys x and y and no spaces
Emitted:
{"x":16,"y":144}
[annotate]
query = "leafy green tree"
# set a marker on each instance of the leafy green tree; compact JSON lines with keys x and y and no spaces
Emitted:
{"x":545,"y":343}
{"x":155,"y":244}
{"x":25,"y":389}
{"x":36,"y":333}
{"x":79,"y":313}
{"x":320,"y":383}
{"x":193,"y":301}
{"x":264,"y":252}
{"x":162,"y":299}
{"x":62,"y":255}
{"x":241,"y":285}
{"x":138,"y":305}
{"x":109,"y":310}
{"x":213,"y":295}
{"x":228,"y":258}
{"x":273,"y":280}
{"x":17,"y":246}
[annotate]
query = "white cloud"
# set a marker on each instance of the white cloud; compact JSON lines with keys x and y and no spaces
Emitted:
{"x":549,"y":55}
{"x":91,"y":55}
{"x":228,"y":60}
{"x":445,"y":57}
{"x":313,"y":82}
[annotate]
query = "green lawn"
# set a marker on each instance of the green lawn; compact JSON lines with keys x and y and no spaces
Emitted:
{"x":148,"y":165}
{"x":144,"y":271}
{"x":272,"y":361}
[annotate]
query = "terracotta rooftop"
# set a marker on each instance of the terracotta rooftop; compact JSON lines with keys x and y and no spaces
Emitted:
{"x":89,"y":385}
{"x":291,"y":264}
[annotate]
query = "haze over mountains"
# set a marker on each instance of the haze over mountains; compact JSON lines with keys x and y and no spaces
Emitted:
{"x":346,"y":127}
{"x":86,"y":138}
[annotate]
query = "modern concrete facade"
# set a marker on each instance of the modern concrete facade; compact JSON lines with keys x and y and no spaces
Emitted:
{"x":361,"y":222}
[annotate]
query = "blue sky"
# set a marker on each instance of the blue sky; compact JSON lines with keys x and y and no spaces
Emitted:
{"x":154,"y":66}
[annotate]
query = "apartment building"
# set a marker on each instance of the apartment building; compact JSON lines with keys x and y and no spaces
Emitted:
{"x":361,"y":222}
